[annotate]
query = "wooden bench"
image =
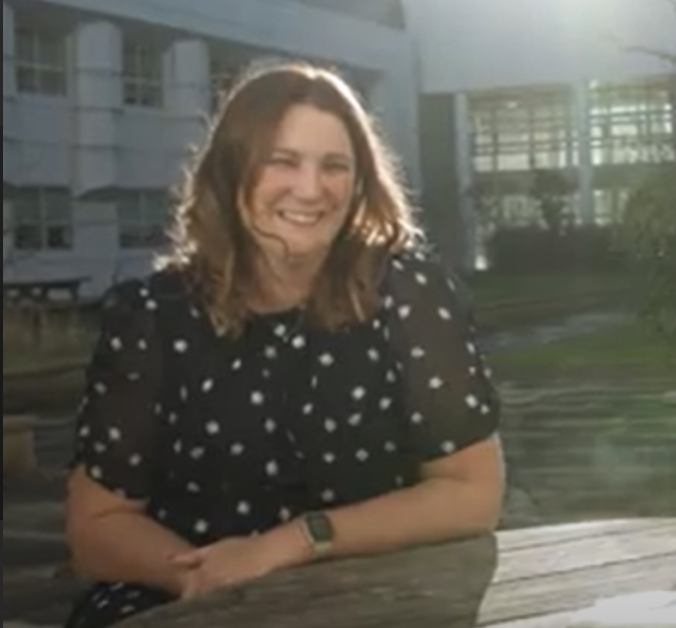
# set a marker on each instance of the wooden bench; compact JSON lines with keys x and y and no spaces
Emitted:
{"x":530,"y":578}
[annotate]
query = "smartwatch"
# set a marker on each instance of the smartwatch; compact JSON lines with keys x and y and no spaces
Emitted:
{"x":318,"y":531}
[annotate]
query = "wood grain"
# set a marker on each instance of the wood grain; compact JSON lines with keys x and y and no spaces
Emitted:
{"x":532,"y":578}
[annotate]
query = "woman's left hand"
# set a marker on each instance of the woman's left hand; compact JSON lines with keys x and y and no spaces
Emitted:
{"x":235,"y":560}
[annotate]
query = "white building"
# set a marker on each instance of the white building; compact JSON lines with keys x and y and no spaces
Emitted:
{"x":555,"y":84}
{"x":101,"y":100}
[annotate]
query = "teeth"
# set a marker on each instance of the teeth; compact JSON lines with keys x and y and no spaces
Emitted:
{"x":300,"y":218}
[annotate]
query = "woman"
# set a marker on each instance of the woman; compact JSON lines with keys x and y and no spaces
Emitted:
{"x":296,"y":381}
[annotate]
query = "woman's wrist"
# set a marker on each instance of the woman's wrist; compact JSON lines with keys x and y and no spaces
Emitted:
{"x":288,"y":545}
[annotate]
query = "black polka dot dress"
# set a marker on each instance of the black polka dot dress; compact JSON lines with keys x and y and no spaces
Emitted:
{"x":234,"y":436}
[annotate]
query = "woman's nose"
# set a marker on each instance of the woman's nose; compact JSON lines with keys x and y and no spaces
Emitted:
{"x":308,"y":182}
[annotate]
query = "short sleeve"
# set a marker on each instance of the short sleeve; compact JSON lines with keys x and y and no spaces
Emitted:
{"x":117,"y":421}
{"x":450,"y":400}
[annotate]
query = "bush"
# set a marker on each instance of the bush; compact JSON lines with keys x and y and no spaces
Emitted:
{"x":648,"y":238}
{"x":586,"y":248}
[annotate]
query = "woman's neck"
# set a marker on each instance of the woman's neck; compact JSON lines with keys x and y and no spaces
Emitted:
{"x":285,"y":283}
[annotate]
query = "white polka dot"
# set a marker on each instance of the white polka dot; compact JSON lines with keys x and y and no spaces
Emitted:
{"x":115,"y":344}
{"x":142,"y":344}
{"x":237,"y":365}
{"x":418,"y":353}
{"x":207,"y":385}
{"x":358,"y":393}
{"x":151,"y":305}
{"x":326,"y":359}
{"x":417,"y":418}
{"x":135,"y":460}
{"x":355,"y":419}
{"x":270,"y":353}
{"x":444,"y":314}
{"x":114,"y":433}
{"x":257,"y":398}
{"x":197,"y":452}
{"x":436,"y":383}
{"x":329,"y":457}
{"x":180,"y":346}
{"x":421,"y":279}
{"x":270,"y":426}
{"x":330,"y":425}
{"x":285,"y":514}
{"x":298,"y":342}
{"x":308,"y":408}
{"x":237,"y":449}
{"x":96,"y":473}
{"x":201,"y":527}
{"x":100,"y":388}
{"x":374,"y":355}
{"x":213,"y":428}
{"x":272,"y":468}
{"x":244,"y":508}
{"x":362,"y":455}
{"x":404,"y":311}
{"x":472,"y":401}
{"x":385,"y":403}
{"x":328,"y":496}
{"x":448,"y":447}
{"x":390,"y":447}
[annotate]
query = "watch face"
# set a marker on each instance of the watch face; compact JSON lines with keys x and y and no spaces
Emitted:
{"x":319,"y":526}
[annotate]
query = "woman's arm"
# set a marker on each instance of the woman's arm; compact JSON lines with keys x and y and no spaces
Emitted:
{"x":116,"y":451}
{"x":111,"y":538}
{"x":460,"y":495}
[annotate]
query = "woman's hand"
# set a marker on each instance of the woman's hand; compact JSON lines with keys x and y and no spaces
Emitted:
{"x":237,"y":560}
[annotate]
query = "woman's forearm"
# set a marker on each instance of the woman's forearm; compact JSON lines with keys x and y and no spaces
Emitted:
{"x":435,"y":510}
{"x":128,"y":547}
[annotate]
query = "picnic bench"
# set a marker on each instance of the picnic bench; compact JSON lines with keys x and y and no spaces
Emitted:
{"x":41,"y":290}
{"x":33,"y":299}
{"x":528,"y":578}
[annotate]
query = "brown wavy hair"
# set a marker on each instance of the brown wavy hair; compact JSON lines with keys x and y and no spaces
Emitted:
{"x":212,"y":246}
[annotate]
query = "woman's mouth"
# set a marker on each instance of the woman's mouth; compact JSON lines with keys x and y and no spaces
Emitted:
{"x":303,"y":219}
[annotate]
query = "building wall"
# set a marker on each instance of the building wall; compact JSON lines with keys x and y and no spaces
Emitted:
{"x":90,"y":145}
{"x":485,"y":44}
{"x":564,"y":81}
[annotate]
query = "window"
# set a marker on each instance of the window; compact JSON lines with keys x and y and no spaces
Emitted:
{"x":42,"y":220}
{"x":632,"y":123}
{"x":221,"y":75}
{"x":142,"y":220}
{"x":142,"y":76}
{"x":41,"y":62}
{"x":516,"y":131}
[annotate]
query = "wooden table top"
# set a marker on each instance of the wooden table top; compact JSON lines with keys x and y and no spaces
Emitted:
{"x":530,"y":578}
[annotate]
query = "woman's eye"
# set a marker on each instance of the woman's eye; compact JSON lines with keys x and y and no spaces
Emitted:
{"x":282,"y":161}
{"x":337,"y":167}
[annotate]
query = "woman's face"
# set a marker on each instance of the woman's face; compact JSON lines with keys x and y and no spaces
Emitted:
{"x":305,"y":186}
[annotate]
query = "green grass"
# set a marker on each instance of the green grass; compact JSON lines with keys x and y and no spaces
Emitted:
{"x":21,"y":355}
{"x":491,"y":289}
{"x":624,"y":349}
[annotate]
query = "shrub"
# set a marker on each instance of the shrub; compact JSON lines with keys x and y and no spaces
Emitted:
{"x":648,"y":238}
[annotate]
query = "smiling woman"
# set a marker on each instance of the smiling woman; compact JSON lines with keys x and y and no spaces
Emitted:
{"x":296,"y":381}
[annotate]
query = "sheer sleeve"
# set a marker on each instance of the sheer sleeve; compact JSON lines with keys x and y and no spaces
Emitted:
{"x":117,"y":421}
{"x":450,"y":400}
